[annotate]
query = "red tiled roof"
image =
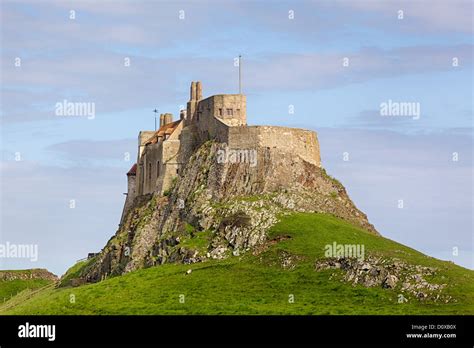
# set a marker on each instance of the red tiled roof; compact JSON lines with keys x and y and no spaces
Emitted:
{"x":167,"y":129}
{"x":133,"y":170}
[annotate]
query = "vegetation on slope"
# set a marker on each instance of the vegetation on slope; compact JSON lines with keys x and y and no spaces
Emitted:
{"x":20,"y":280}
{"x":75,"y":271}
{"x":259,"y":283}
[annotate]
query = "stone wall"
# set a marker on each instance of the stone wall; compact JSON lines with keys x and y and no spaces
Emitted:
{"x":170,"y":159}
{"x":131,"y":194}
{"x":143,"y":137}
{"x":188,"y":143}
{"x":299,"y":142}
{"x":230,"y":109}
{"x":159,"y":164}
{"x":151,"y":162}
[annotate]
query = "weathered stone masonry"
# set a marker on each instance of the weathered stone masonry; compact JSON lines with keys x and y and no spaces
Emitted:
{"x":163,"y":153}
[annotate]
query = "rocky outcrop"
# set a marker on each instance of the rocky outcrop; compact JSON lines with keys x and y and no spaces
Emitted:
{"x":36,"y":273}
{"x":215,"y":210}
{"x":408,"y":279}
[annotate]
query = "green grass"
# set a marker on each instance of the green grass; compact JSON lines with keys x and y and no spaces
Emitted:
{"x":75,"y":271}
{"x":197,"y":241}
{"x":251,"y":284}
{"x":11,"y":288}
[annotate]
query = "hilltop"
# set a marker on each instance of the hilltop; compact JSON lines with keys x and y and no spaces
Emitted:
{"x":13,"y":282}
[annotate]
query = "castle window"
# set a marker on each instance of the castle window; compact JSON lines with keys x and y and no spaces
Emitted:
{"x":158,"y":169}
{"x":230,"y":112}
{"x":199,"y":115}
{"x":149,"y":171}
{"x":220,"y":112}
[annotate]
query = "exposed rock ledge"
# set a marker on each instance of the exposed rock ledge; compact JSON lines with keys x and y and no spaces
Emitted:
{"x":36,"y":273}
{"x":408,"y":279}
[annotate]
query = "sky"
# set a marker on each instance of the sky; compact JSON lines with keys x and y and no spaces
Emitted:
{"x":328,"y":66}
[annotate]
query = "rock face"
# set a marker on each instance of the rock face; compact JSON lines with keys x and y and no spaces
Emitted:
{"x":215,"y":210}
{"x":389,"y":274}
{"x":37,"y":273}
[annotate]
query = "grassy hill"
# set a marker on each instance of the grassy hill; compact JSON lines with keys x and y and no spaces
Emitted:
{"x":264,"y":283}
{"x":18,"y":281}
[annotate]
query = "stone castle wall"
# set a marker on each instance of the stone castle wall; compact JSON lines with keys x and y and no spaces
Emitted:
{"x":159,"y":164}
{"x":229,"y":109}
{"x":131,"y":194}
{"x":300,"y":142}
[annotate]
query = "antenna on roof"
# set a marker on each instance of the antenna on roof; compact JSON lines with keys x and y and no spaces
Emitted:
{"x":240,"y":74}
{"x":156,"y":113}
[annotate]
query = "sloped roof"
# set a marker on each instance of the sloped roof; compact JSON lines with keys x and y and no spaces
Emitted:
{"x":133,"y":170}
{"x":167,"y":129}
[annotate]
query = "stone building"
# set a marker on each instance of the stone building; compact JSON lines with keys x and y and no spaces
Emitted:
{"x":163,"y":153}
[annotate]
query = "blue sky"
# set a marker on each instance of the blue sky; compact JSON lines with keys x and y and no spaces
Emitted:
{"x":286,"y":62}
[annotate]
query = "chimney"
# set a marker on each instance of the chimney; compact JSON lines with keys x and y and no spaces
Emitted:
{"x":168,"y":118}
{"x":162,"y":120}
{"x":193,"y":91}
{"x":198,"y":90}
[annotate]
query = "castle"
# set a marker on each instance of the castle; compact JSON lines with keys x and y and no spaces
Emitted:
{"x":163,"y":153}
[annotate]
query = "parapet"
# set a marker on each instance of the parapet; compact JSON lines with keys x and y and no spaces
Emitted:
{"x":300,"y":142}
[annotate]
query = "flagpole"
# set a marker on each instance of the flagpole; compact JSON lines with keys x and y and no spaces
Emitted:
{"x":240,"y":74}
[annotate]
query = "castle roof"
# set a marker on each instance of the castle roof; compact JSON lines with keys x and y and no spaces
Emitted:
{"x":133,"y":170}
{"x":166,"y":129}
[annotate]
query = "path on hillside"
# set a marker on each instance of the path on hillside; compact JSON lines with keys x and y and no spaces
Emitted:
{"x":23,"y":296}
